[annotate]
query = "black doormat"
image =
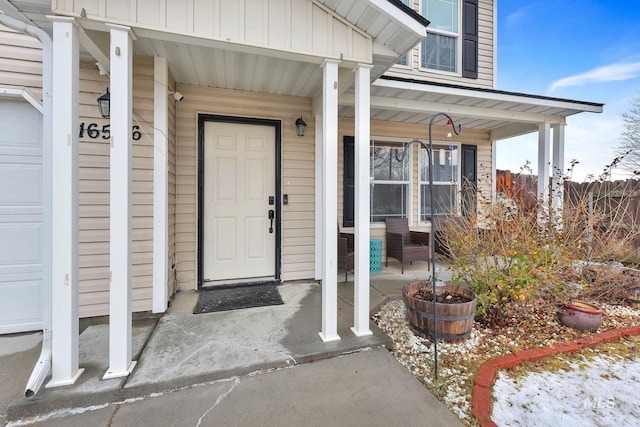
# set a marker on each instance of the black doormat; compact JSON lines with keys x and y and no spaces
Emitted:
{"x":234,"y":297}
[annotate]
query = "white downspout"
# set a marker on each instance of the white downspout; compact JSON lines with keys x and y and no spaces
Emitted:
{"x":43,"y":365}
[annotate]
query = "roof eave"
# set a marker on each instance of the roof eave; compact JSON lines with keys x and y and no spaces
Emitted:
{"x":500,"y":95}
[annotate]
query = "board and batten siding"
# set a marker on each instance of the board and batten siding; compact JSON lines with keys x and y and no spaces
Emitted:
{"x":407,"y":132}
{"x":298,"y":171}
{"x":94,"y":188}
{"x":20,"y":61}
{"x":486,"y":40}
{"x":296,"y":26}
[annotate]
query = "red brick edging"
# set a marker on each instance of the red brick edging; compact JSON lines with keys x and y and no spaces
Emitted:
{"x":486,"y":375}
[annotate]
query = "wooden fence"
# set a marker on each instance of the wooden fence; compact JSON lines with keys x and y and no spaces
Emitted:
{"x":608,"y":196}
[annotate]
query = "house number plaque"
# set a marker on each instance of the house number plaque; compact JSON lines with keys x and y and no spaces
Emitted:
{"x":93,"y":131}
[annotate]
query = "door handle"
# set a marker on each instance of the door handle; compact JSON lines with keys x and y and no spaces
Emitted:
{"x":272,"y":215}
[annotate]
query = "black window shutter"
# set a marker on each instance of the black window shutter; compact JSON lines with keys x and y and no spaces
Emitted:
{"x":469,"y":178}
{"x":470,"y":39}
{"x":348,"y":182}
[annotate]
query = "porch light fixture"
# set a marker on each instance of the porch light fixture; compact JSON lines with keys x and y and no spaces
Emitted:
{"x":104,"y":104}
{"x":432,"y":242}
{"x":301,"y":127}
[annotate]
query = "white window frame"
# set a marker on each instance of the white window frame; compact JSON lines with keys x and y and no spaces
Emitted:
{"x":458,"y":150}
{"x":457,"y":36}
{"x":409,"y":64}
{"x":409,"y":183}
{"x":409,"y":54}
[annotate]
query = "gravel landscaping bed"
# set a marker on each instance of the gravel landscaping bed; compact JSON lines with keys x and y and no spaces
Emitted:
{"x":458,"y":362}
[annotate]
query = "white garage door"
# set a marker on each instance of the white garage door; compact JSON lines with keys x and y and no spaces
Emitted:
{"x":21,"y":217}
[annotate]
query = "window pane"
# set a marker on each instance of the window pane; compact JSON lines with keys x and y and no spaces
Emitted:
{"x":445,"y":164}
{"x":439,"y":52}
{"x":444,"y":199}
{"x":443,"y":14}
{"x":388,"y":201}
{"x":387,"y":165}
{"x":404,"y":60}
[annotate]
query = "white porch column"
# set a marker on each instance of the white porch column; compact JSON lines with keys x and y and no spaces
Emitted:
{"x":330,"y":201}
{"x":544,"y":148}
{"x":494,"y":175}
{"x":319,"y":259}
{"x":362,"y":193}
{"x":120,"y":363}
{"x":557,"y":183}
{"x":160,"y":184}
{"x":64,"y":205}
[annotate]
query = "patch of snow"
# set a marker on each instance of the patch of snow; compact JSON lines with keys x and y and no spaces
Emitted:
{"x":604,"y":393}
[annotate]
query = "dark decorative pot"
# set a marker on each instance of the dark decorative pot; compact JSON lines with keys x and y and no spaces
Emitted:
{"x":454,"y":321}
{"x":580,"y":315}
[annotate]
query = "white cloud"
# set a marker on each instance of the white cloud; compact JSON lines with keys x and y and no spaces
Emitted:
{"x":614,"y":72}
{"x":520,"y":15}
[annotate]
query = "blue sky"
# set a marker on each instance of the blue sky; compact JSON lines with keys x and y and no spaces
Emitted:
{"x":587,"y":50}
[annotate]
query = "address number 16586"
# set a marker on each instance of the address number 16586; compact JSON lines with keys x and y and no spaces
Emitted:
{"x":94,"y":132}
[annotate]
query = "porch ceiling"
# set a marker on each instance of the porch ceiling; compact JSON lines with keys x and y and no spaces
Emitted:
{"x":205,"y":66}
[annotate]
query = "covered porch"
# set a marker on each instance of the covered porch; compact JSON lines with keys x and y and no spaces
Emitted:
{"x":179,"y":350}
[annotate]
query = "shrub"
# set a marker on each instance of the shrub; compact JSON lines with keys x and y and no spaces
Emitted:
{"x":520,"y":255}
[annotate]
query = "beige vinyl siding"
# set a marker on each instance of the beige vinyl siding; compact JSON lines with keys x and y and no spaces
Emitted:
{"x":142,"y":186}
{"x":172,"y":188}
{"x":94,"y":193}
{"x":486,"y":43}
{"x":408,"y":132}
{"x":93,"y":199}
{"x":297,"y":174}
{"x":485,"y":177}
{"x":20,"y":61}
{"x":486,"y":40}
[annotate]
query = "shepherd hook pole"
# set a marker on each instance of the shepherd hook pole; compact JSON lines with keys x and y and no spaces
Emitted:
{"x":429,"y":150}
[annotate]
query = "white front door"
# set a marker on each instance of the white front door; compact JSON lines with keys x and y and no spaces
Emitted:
{"x":239,"y":178}
{"x":21,"y":217}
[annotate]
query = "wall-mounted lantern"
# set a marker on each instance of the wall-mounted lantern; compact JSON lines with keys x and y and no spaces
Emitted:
{"x":104,"y":104}
{"x":301,"y":127}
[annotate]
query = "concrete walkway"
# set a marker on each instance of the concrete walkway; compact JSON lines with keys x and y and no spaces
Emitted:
{"x":227,"y":368}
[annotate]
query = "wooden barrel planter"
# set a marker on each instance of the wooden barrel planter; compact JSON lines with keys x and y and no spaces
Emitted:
{"x":454,"y":321}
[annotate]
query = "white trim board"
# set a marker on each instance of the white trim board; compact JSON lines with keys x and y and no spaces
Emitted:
{"x":22,"y":93}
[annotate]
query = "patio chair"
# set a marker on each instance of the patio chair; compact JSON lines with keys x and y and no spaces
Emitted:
{"x":405,"y":245}
{"x":346,"y":255}
{"x":439,"y":225}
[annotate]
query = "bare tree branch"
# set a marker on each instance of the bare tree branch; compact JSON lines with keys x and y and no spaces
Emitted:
{"x":629,"y":147}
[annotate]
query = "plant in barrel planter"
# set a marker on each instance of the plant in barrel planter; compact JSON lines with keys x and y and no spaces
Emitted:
{"x":449,"y":319}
